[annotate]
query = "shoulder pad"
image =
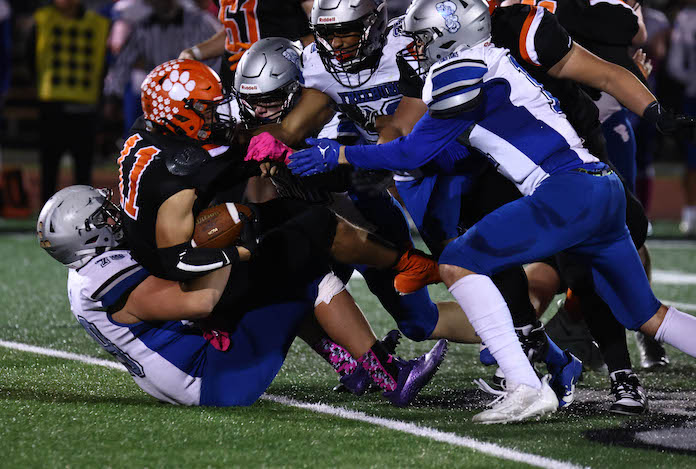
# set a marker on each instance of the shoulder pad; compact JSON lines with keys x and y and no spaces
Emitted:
{"x":185,"y":160}
{"x":456,"y":87}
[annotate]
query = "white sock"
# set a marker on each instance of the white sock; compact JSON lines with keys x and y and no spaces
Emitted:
{"x":489,"y":315}
{"x":678,"y":330}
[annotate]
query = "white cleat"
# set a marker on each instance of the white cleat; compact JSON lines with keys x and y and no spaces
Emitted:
{"x":522,"y":403}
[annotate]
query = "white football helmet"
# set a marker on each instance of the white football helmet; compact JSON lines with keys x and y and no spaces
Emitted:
{"x":268,"y":76}
{"x":366,"y":18}
{"x":79,"y":223}
{"x":438,"y":27}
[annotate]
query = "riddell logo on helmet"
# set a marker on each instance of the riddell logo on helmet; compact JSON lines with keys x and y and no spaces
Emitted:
{"x":327,"y":19}
{"x":246,"y":87}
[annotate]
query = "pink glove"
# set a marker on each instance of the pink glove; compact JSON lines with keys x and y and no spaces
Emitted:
{"x":266,"y":147}
{"x":218,"y":339}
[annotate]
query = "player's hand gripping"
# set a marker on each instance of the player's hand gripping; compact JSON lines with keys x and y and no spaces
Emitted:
{"x":321,"y":157}
{"x":667,"y":123}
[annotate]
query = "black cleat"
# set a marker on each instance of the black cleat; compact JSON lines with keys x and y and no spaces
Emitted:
{"x":629,"y":396}
{"x":652,"y":353}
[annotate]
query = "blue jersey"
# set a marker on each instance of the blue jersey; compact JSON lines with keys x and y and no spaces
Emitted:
{"x":483,"y":98}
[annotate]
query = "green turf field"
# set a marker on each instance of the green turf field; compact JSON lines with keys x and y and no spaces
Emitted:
{"x":59,"y":412}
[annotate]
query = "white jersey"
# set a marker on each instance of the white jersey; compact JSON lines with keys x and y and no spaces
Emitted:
{"x":379,"y":94}
{"x":515,"y":122}
{"x":161,"y":364}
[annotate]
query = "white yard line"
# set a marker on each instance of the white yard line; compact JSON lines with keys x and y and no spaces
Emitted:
{"x":398,"y":425}
{"x":673,"y":277}
{"x":671,"y":243}
{"x":679,"y":305}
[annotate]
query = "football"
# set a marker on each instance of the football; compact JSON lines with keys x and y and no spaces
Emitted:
{"x":219,"y":226}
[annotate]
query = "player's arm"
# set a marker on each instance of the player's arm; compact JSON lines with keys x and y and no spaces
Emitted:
{"x":173,"y":231}
{"x":582,"y":66}
{"x":156,"y":299}
{"x":407,"y":114}
{"x":427,"y":139}
{"x":213,"y":47}
{"x":312,"y":112}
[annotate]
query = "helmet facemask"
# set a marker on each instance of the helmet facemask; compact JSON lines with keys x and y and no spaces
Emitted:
{"x":346,"y":63}
{"x":73,"y":232}
{"x":421,"y":49}
{"x":274,"y":105}
{"x":182,"y":97}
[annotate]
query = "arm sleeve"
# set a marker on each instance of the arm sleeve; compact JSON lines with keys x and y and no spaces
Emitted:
{"x":425,"y":142}
{"x":184,"y":262}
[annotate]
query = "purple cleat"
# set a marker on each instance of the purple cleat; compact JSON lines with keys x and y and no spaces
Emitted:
{"x":415,"y":374}
{"x":359,"y":381}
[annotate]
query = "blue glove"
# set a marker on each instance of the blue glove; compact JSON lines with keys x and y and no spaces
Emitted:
{"x":320,"y":158}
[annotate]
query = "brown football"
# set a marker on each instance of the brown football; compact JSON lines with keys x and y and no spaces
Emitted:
{"x":219,"y":226}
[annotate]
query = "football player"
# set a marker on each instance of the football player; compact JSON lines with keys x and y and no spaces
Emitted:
{"x":609,"y":30}
{"x":150,"y":324}
{"x":246,"y":24}
{"x":175,"y":161}
{"x":352,"y":66}
{"x":477,"y":94}
{"x":545,"y":50}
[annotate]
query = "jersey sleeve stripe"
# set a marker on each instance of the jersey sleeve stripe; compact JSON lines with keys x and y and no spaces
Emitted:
{"x":614,"y":2}
{"x":529,"y":29}
{"x":464,"y":91}
{"x":456,"y":63}
{"x":116,"y":291}
{"x":443,"y":81}
{"x":115,"y":279}
{"x":199,"y":268}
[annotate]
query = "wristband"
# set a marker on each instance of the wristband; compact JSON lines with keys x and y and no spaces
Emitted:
{"x":196,"y":53}
{"x":652,"y":112}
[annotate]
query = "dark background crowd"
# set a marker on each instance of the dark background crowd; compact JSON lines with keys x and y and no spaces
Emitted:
{"x":69,"y":84}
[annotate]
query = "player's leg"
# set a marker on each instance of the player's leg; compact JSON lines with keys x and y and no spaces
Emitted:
{"x":621,"y":146}
{"x":54,"y":135}
{"x":343,"y":321}
{"x":82,"y":149}
{"x":352,"y":376}
{"x":259,"y":345}
{"x":558,"y":215}
{"x":623,"y":285}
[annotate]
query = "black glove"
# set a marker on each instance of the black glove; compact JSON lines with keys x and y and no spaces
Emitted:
{"x":410,"y":83}
{"x":248,"y":236}
{"x":365,"y":119}
{"x":667,"y":123}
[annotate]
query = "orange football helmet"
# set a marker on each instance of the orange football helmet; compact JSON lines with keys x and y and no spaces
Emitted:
{"x":181,"y":96}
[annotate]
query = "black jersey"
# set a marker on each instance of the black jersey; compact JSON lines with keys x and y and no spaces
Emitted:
{"x":538,"y":42}
{"x":251,"y":20}
{"x":147,"y":180}
{"x":604,"y":27}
